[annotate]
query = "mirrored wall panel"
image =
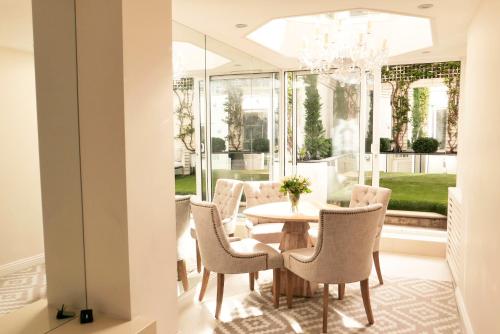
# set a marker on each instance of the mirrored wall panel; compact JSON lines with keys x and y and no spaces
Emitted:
{"x":41,"y":231}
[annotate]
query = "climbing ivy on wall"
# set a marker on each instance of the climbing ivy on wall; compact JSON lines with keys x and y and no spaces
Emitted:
{"x":400,"y":77}
{"x":183,"y":91}
{"x":453,"y":84}
{"x":419,"y":112}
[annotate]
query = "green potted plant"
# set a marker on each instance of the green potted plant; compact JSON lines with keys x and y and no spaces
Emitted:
{"x":294,"y":186}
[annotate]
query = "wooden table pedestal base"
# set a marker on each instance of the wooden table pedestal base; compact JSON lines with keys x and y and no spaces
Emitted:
{"x":295,"y":235}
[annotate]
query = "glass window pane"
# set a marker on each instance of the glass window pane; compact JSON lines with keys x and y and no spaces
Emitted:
{"x":327,"y":135}
{"x":241,"y":126}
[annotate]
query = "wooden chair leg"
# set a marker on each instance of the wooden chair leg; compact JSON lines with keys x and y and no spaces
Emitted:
{"x":182,"y":274}
{"x":256,"y":275}
{"x":365,"y":293}
{"x":204,"y":283}
{"x":376,"y":261}
{"x":276,"y":287}
{"x":220,"y":294}
{"x":251,"y":280}
{"x":198,"y":258}
{"x":325,"y":307}
{"x":341,"y":291}
{"x":289,"y":288}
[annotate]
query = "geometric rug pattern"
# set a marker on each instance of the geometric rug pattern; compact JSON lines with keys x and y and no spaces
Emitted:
{"x":21,"y":288}
{"x":401,"y":306}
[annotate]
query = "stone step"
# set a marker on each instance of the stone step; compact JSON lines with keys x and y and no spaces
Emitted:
{"x":416,"y":219}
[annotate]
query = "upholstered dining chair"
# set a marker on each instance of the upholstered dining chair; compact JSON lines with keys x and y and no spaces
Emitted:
{"x":227,"y":197}
{"x":220,"y":255}
{"x":182,"y":221}
{"x":263,"y":192}
{"x":341,"y":255}
{"x":362,"y":196}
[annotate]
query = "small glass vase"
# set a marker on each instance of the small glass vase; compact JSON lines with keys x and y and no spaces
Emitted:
{"x":294,"y":201}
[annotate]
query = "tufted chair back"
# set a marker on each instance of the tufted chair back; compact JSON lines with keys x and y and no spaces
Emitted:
{"x":227,"y":197}
{"x":365,"y":195}
{"x":216,"y":252}
{"x":182,"y":214}
{"x":262,"y":192}
{"x":344,"y":248}
{"x":182,"y":217}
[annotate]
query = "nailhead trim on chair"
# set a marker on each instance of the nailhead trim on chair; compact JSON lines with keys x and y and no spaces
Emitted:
{"x":183,"y":199}
{"x":212,"y":207}
{"x":322,"y":214}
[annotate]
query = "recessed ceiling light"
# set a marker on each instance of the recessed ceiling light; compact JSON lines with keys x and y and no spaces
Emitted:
{"x":425,"y":6}
{"x":241,"y":25}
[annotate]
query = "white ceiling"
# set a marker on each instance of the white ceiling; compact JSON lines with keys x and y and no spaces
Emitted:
{"x":217,"y":18}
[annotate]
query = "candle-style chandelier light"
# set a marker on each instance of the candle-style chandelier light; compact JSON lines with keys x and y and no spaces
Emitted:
{"x":342,"y":47}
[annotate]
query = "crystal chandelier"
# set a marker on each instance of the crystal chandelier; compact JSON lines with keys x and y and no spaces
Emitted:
{"x":344,"y":46}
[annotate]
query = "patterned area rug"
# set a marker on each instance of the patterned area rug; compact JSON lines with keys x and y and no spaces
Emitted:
{"x":21,"y":288}
{"x":399,"y":306}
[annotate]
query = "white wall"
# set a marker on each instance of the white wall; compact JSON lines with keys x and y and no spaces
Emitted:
{"x":479,"y":166}
{"x":21,"y":234}
{"x":126,"y":140}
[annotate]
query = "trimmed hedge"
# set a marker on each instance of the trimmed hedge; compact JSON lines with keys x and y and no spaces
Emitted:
{"x":425,"y":206}
{"x":425,"y":145}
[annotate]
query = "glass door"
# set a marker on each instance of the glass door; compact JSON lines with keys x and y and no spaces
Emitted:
{"x":325,"y":127}
{"x":242,"y":118}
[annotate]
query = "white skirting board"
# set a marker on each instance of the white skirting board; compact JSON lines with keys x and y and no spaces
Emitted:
{"x":21,"y":264}
{"x":467,"y":325}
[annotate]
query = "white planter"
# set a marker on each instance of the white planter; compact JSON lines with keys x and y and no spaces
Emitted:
{"x":254,"y":161}
{"x":221,"y":161}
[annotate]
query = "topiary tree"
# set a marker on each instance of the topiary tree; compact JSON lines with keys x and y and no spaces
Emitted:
{"x":315,"y":142}
{"x":419,"y":112}
{"x":234,"y":118}
{"x":218,"y":145}
{"x":261,"y":145}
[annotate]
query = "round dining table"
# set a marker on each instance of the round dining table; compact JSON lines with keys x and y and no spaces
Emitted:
{"x":295,"y":232}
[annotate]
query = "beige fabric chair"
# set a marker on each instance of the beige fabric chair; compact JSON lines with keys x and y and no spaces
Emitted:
{"x":262,"y":192}
{"x":227,"y":197}
{"x":362,"y":196}
{"x":220,"y":255}
{"x":341,"y":255}
{"x":183,"y":216}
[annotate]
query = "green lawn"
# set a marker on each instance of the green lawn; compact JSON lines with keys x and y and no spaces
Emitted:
{"x":418,"y":192}
{"x":412,"y":192}
{"x":185,"y":185}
